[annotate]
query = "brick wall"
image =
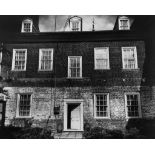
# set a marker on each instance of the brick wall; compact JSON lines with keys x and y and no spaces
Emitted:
{"x":43,"y":102}
{"x":62,"y":50}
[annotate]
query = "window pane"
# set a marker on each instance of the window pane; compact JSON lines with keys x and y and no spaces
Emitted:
{"x":75,"y":66}
{"x":46,"y":60}
{"x":132,"y":105}
{"x":24,"y":105}
{"x":129,"y":58}
{"x":19,"y":63}
{"x":124,"y":24}
{"x":101,"y":105}
{"x":75,"y":26}
{"x":27,"y":27}
{"x":101,"y":58}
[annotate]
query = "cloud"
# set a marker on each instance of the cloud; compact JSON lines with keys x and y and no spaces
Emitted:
{"x":102,"y":22}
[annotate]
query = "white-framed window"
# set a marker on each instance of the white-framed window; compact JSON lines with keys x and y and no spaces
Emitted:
{"x":75,"y":25}
{"x":27,"y":25}
{"x":101,"y":58}
{"x":124,"y":23}
{"x":75,"y":66}
{"x":129,"y":58}
{"x":19,"y":59}
{"x":24,"y":105}
{"x":45,"y":59}
{"x":101,"y":105}
{"x":132,"y":104}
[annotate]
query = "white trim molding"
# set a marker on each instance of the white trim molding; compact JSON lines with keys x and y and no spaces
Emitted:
{"x":121,"y":20}
{"x":13,"y":59}
{"x":73,"y":101}
{"x":40,"y":55}
{"x":135,"y":57}
{"x":18,"y":102}
{"x":69,"y":72}
{"x":27,"y":21}
{"x":139,"y":105}
{"x":104,"y":51}
{"x":108,"y":106}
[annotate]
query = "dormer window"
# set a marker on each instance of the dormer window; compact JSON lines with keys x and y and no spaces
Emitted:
{"x":124,"y":23}
{"x":75,"y":26}
{"x":27,"y":26}
{"x":73,"y":23}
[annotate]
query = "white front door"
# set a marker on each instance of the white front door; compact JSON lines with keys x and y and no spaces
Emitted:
{"x":75,"y":117}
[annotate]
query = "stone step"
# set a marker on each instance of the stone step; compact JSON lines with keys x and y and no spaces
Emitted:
{"x":68,"y":135}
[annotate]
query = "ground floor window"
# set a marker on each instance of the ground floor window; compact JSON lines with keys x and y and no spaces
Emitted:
{"x":101,"y":106}
{"x":132,"y":101}
{"x":23,"y":105}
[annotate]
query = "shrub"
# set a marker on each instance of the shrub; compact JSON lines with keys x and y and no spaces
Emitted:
{"x":133,"y":133}
{"x":25,"y":133}
{"x":115,"y":134}
{"x":101,"y":133}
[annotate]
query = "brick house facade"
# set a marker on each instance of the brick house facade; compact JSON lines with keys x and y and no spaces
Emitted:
{"x":56,"y":98}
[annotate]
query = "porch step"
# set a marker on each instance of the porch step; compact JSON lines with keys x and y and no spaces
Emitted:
{"x":68,"y":135}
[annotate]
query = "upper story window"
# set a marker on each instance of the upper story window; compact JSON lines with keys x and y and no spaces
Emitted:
{"x":19,"y":59}
{"x":124,"y":23}
{"x":75,"y":26}
{"x":23,"y":105}
{"x":73,"y":23}
{"x":129,"y":58}
{"x":132,"y":101}
{"x":27,"y":25}
{"x":101,"y":56}
{"x":101,"y":106}
{"x":74,"y":66}
{"x":45,"y":59}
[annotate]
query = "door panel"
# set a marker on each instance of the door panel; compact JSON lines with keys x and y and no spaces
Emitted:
{"x":75,"y":117}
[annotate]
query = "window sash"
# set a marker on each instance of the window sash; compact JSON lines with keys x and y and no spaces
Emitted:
{"x":129,"y":58}
{"x":101,"y":106}
{"x":19,"y":59}
{"x":133,"y":109}
{"x":75,"y":26}
{"x":124,"y":24}
{"x":45,"y":59}
{"x":101,"y":58}
{"x":75,"y":67}
{"x":24,"y":105}
{"x":27,"y":25}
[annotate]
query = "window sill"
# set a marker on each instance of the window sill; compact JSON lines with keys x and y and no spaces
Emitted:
{"x":75,"y":78}
{"x":18,"y":70}
{"x":45,"y":70}
{"x":102,"y":69}
{"x":23,"y":117}
{"x":136,"y":69}
{"x":67,"y":130}
{"x":105,"y":118}
{"x":127,"y":118}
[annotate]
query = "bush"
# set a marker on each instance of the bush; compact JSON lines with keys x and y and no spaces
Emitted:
{"x":101,"y":133}
{"x":25,"y":133}
{"x":115,"y":134}
{"x":133,"y":133}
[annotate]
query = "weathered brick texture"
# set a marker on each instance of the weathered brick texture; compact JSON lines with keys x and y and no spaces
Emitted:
{"x":43,"y":104}
{"x":91,"y":77}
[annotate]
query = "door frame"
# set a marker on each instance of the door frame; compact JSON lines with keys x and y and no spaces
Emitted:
{"x":73,"y":101}
{"x":2,"y":123}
